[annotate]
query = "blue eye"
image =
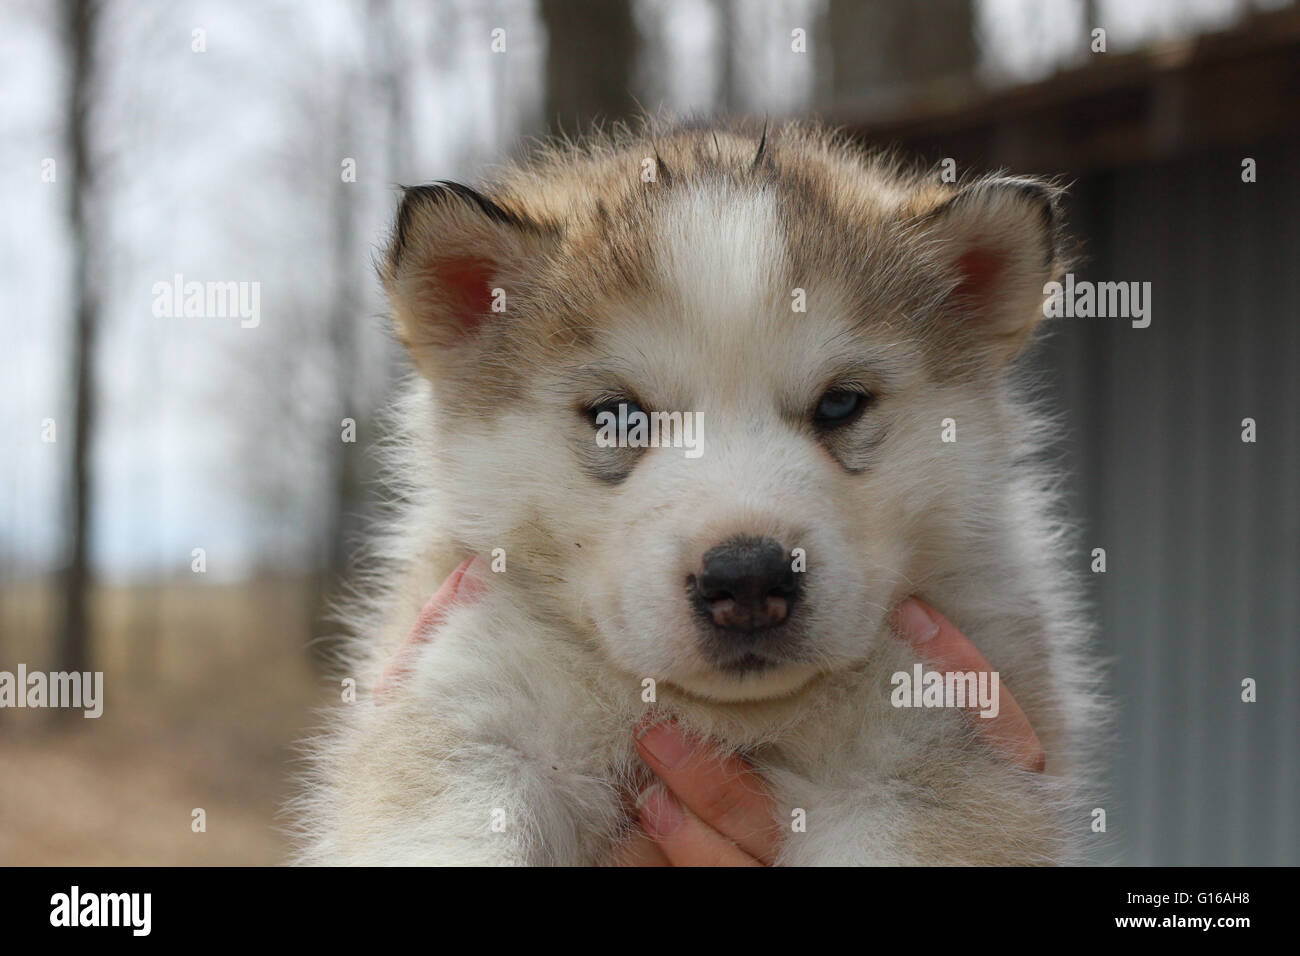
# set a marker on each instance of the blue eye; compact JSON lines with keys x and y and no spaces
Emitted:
{"x":839,"y":406}
{"x":612,"y":407}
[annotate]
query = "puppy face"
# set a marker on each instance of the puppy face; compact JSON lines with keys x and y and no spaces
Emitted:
{"x":799,"y":324}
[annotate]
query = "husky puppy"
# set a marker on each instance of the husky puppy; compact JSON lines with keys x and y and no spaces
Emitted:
{"x":840,"y":333}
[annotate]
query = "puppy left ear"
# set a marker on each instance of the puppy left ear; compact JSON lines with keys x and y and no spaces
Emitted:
{"x":998,"y":244}
{"x":453,"y":250}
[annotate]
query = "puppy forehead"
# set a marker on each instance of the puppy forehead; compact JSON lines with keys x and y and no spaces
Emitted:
{"x":720,"y":255}
{"x":721,"y":311}
{"x":713,"y":314}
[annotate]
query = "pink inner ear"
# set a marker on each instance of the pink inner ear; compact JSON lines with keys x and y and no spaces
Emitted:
{"x":467,"y":284}
{"x":980,"y":271}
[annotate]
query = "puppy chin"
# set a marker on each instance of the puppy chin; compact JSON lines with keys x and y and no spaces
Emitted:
{"x":780,"y":681}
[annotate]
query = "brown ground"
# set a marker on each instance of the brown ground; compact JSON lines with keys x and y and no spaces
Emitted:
{"x":206,"y":690}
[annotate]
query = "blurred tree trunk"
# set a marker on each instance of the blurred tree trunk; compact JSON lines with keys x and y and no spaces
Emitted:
{"x":345,"y":503}
{"x":388,"y":68}
{"x":343,"y":345}
{"x":1091,"y":20}
{"x":727,"y":98}
{"x":72,"y":648}
{"x":887,"y":52}
{"x":590,"y":63}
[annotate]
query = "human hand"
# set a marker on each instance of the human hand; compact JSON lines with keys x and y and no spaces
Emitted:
{"x":714,"y":810}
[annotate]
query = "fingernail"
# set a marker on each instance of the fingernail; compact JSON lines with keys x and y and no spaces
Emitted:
{"x":915,"y":624}
{"x":645,"y":723}
{"x":665,"y":744}
{"x":661,"y":814}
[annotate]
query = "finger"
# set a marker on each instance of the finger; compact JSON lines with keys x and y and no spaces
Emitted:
{"x":938,"y":641}
{"x":721,"y":790}
{"x":639,"y":850}
{"x":464,"y":584}
{"x":684,"y":838}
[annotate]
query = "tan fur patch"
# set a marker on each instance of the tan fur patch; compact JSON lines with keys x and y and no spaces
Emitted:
{"x":571,"y":238}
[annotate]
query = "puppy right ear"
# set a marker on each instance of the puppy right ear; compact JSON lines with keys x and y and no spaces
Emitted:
{"x":454,"y":254}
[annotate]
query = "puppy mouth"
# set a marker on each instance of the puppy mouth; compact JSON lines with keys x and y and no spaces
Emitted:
{"x":755,"y":653}
{"x":761,"y":652}
{"x":746,"y":663}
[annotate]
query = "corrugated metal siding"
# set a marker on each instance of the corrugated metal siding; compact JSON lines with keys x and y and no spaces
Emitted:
{"x":1202,"y":531}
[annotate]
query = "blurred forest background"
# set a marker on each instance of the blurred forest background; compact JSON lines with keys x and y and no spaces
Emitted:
{"x":177,"y":502}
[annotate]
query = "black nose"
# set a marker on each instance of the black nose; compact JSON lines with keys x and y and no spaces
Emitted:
{"x":747,"y":584}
